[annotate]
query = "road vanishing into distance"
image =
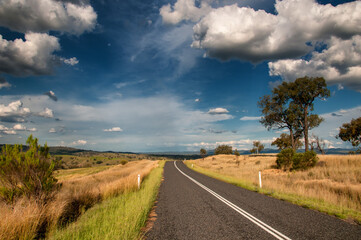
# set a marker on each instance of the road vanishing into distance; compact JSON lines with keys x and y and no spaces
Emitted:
{"x":194,"y":206}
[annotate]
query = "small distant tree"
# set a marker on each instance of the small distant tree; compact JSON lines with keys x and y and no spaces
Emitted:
{"x":203,"y":152}
{"x":284,"y":141}
{"x":28,"y":174}
{"x":351,"y":132}
{"x":257,"y":147}
{"x":236,"y":153}
{"x":223,"y":149}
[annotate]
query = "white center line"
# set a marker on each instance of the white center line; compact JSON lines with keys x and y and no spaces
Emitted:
{"x":250,"y":217}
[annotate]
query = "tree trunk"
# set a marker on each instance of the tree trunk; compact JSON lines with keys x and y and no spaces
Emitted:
{"x":292,"y":139}
{"x":306,"y":127}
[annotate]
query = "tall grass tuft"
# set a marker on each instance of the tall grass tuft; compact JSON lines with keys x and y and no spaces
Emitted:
{"x":121,"y":217}
{"x":29,"y":219}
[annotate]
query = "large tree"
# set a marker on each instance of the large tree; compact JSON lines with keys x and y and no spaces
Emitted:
{"x":280,"y":113}
{"x":290,"y":105}
{"x":303,"y":93}
{"x":351,"y":132}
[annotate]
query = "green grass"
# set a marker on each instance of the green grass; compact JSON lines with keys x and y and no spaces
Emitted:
{"x":306,"y":202}
{"x":121,"y":217}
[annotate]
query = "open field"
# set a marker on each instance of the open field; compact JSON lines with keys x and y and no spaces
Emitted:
{"x":81,"y":189}
{"x":92,"y":159}
{"x":333,"y":186}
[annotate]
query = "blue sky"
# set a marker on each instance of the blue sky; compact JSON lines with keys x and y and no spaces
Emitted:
{"x":179,"y":75}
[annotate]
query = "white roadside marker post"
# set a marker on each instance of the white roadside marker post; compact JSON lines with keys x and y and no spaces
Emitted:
{"x":192,"y":165}
{"x":138,"y":181}
{"x":260,"y":179}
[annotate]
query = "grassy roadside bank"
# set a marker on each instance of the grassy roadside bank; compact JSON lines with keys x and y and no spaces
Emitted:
{"x":297,"y":188}
{"x":121,"y":217}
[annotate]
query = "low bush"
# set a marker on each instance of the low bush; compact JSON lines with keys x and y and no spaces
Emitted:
{"x":304,"y":160}
{"x":288,"y":159}
{"x":285,"y":158}
{"x":123,"y":162}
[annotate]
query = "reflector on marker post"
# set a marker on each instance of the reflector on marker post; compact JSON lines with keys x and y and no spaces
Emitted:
{"x":138,"y":181}
{"x":260,"y":179}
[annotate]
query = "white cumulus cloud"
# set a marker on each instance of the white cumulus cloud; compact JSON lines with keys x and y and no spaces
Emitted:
{"x":36,"y":19}
{"x":45,"y":15}
{"x":32,"y":129}
{"x":339,"y":63}
{"x":113,"y":129}
{"x":184,"y":10}
{"x":71,"y":61}
{"x":19,"y":127}
{"x":298,"y":28}
{"x":218,"y":111}
{"x":79,"y":143}
{"x":9,"y":132}
{"x":34,"y":56}
{"x":247,"y":118}
{"x":14,"y":112}
{"x":47,"y":113}
{"x":254,"y":35}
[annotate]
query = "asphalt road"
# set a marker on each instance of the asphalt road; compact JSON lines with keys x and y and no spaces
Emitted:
{"x":194,"y":206}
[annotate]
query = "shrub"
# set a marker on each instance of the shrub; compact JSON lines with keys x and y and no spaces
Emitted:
{"x":288,"y":159}
{"x":123,"y":162}
{"x":285,"y":158}
{"x":223,"y":149}
{"x":28,"y":174}
{"x":304,"y":160}
{"x":99,"y":162}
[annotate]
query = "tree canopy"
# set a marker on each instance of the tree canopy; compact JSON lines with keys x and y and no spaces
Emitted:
{"x":303,"y":93}
{"x":284,"y":141}
{"x":289,"y":107}
{"x":223,"y":149}
{"x":203,"y":152}
{"x":351,"y":132}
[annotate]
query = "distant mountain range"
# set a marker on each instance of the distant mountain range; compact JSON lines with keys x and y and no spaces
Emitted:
{"x":179,"y":155}
{"x":247,"y":152}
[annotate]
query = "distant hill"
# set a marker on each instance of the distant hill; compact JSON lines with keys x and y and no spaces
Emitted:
{"x":60,"y":150}
{"x":66,"y":150}
{"x":245,"y":152}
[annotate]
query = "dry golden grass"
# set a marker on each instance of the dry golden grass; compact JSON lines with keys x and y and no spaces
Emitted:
{"x":27,"y":218}
{"x":20,"y":221}
{"x":336,"y":179}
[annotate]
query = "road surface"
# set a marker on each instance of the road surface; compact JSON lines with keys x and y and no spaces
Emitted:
{"x":194,"y":206}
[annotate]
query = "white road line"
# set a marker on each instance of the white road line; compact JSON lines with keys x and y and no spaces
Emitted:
{"x":253,"y":219}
